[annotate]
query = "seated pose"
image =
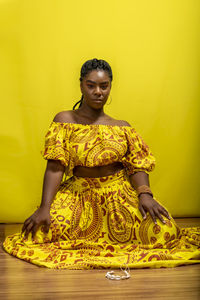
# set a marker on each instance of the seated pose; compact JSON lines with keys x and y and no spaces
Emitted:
{"x":102,"y":213}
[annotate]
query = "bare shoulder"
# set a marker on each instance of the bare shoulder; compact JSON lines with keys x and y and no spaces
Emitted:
{"x":64,"y":116}
{"x":116,"y":122}
{"x":124,"y":123}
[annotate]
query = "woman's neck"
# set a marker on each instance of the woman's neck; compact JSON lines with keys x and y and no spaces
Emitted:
{"x":90,"y":113}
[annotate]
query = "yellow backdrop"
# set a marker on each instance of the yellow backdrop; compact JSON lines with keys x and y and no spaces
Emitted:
{"x":153,"y":49}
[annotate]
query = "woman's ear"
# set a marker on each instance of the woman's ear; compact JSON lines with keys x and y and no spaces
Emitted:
{"x":81,"y":87}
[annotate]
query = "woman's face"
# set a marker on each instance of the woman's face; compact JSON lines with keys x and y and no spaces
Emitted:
{"x":95,"y":88}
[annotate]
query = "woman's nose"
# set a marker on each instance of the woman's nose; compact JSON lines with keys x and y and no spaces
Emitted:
{"x":98,"y":91}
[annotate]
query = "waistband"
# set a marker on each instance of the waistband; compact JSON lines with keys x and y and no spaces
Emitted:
{"x":98,"y":182}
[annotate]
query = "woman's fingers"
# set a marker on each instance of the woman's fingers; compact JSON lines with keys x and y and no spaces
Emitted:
{"x":26,"y":223}
{"x":154,"y":208}
{"x":157,"y":213}
{"x":153,"y":215}
{"x":31,"y":226}
{"x":142,"y":212}
{"x":46,"y":229}
{"x":161,"y":211}
{"x":28,"y":229}
{"x":34,"y":229}
{"x":165,"y":213}
{"x":46,"y":225}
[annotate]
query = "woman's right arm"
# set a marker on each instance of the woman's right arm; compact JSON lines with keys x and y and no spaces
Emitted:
{"x":52,"y":179}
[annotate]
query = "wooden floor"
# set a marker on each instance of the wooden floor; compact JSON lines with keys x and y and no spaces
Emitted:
{"x":22,"y":280}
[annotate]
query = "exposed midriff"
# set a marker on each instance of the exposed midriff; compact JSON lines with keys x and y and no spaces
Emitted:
{"x":99,"y":171}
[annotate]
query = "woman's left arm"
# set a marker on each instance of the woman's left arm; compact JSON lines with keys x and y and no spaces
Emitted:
{"x":146,"y":202}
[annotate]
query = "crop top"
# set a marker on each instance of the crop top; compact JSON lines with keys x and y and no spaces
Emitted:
{"x":97,"y":145}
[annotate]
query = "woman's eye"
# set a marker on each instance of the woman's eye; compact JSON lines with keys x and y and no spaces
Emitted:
{"x":103,"y":87}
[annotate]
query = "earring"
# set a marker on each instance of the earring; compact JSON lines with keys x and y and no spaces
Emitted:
{"x":110,"y":100}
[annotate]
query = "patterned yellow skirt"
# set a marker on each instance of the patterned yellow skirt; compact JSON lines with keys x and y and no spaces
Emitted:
{"x":96,"y":223}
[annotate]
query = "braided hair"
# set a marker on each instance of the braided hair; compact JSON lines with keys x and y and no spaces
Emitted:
{"x":90,"y":65}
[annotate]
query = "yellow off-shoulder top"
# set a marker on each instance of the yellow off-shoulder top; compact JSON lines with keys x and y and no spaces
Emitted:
{"x":97,"y":145}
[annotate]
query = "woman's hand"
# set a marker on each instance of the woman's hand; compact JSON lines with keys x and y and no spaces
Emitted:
{"x":40,"y":217}
{"x":148,"y":204}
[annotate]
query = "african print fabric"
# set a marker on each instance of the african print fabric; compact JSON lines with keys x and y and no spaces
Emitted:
{"x":97,"y":145}
{"x":95,"y":222}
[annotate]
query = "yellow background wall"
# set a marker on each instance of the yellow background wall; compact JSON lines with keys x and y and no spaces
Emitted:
{"x":153,"y":49}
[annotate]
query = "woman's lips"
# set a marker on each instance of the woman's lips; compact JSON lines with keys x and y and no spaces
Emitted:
{"x":97,"y":100}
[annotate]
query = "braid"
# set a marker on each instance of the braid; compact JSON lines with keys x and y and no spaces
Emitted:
{"x":94,"y":64}
{"x":90,"y":65}
{"x":80,"y":101}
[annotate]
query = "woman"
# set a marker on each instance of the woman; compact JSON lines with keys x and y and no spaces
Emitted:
{"x":103,"y":215}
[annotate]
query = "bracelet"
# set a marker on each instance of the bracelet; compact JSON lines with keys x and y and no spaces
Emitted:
{"x":144,"y":189}
{"x":110,"y":275}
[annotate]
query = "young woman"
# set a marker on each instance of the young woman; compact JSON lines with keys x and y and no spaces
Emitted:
{"x":103,"y":215}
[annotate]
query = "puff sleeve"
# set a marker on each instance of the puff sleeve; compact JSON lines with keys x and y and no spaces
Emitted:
{"x":138,"y":156}
{"x":56,"y":144}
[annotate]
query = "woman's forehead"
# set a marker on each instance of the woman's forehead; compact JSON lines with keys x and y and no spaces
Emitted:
{"x":97,"y":76}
